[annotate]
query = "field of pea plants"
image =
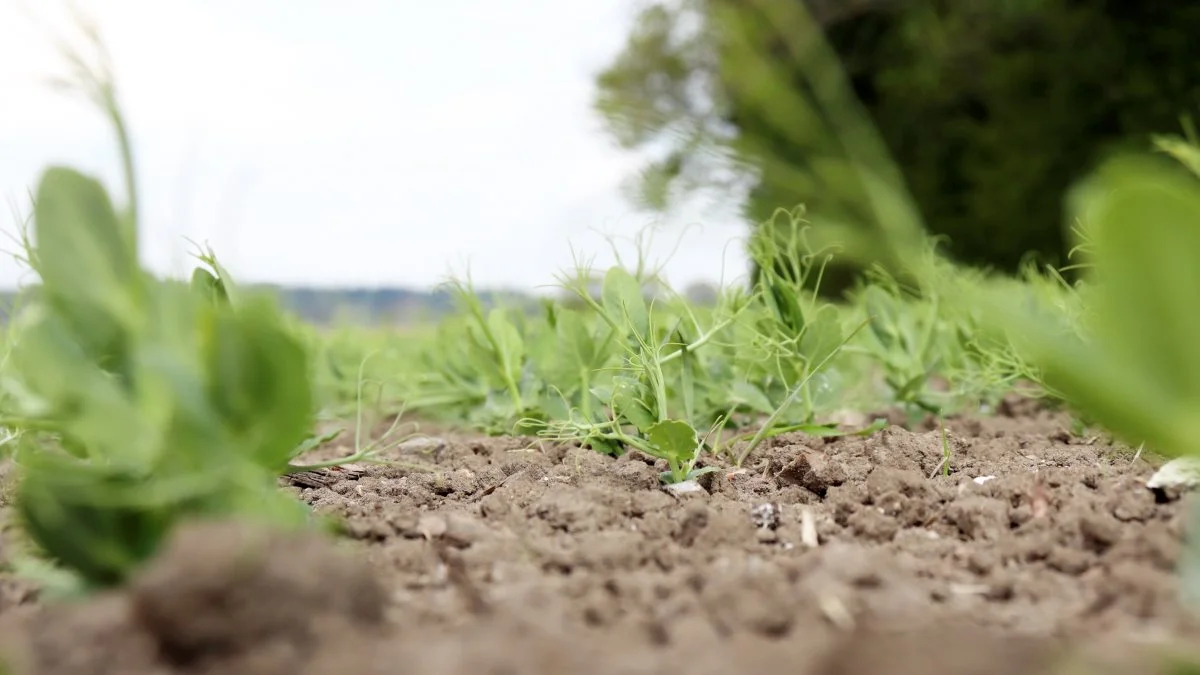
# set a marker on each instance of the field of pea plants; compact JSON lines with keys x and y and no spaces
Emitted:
{"x":950,"y":472}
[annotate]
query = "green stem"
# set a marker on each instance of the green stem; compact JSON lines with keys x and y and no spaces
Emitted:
{"x":700,"y":341}
{"x":502,"y":357}
{"x":585,"y":402}
{"x":766,"y":427}
{"x":361,"y":456}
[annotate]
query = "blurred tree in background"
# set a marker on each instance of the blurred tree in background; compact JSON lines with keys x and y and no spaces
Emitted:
{"x":990,"y":109}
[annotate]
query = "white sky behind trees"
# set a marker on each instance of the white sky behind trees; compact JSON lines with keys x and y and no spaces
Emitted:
{"x":365,"y":143}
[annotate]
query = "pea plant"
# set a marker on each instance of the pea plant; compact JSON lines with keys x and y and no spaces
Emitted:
{"x":678,"y":377}
{"x":907,"y":340}
{"x":790,"y":336}
{"x":134,"y":403}
{"x":1133,"y":366}
{"x":649,"y":397}
{"x":503,"y":369}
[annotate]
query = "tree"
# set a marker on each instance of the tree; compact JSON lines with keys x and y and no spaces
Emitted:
{"x":989,"y":109}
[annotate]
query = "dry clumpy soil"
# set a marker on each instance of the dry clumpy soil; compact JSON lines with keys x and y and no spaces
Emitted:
{"x":1037,"y":553}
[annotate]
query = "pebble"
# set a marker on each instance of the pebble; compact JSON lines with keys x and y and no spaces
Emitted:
{"x":684,"y":488}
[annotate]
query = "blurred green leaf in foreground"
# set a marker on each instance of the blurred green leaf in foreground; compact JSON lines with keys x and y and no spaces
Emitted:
{"x":139,"y":402}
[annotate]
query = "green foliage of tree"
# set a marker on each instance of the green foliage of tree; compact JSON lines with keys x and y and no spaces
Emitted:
{"x":990,"y":109}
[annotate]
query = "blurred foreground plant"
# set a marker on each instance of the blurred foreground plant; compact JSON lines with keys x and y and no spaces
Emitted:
{"x":139,"y":402}
{"x":1134,"y":368}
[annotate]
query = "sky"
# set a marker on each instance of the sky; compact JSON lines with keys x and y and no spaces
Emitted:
{"x":367,"y":143}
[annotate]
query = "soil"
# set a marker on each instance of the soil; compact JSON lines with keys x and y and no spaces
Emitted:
{"x":1034,"y":552}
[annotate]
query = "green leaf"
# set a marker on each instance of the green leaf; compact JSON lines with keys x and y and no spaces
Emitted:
{"x":628,"y":401}
{"x":551,"y":407}
{"x":1145,"y":221}
{"x":1139,"y":373}
{"x":822,"y":337}
{"x":1185,"y":152}
{"x":87,"y":264}
{"x":315,"y":441}
{"x":784,"y":300}
{"x":675,"y":440}
{"x":258,"y":381}
{"x":551,"y":310}
{"x":687,"y":382}
{"x":1116,"y":393}
{"x":85,"y":403}
{"x":575,"y":338}
{"x":605,"y":391}
{"x":102,"y":544}
{"x":751,"y":396}
{"x":472,"y":358}
{"x":624,"y":302}
{"x":603,"y":446}
{"x":208,"y":286}
{"x":696,"y":473}
{"x":224,"y":283}
{"x":509,"y":345}
{"x":882,"y":317}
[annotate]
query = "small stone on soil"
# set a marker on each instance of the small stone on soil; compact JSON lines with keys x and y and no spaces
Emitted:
{"x":1174,"y":478}
{"x":422,"y":445}
{"x":765,"y":516}
{"x":686,"y":487}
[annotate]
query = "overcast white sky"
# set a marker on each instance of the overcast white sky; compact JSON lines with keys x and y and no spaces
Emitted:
{"x":371,"y":142}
